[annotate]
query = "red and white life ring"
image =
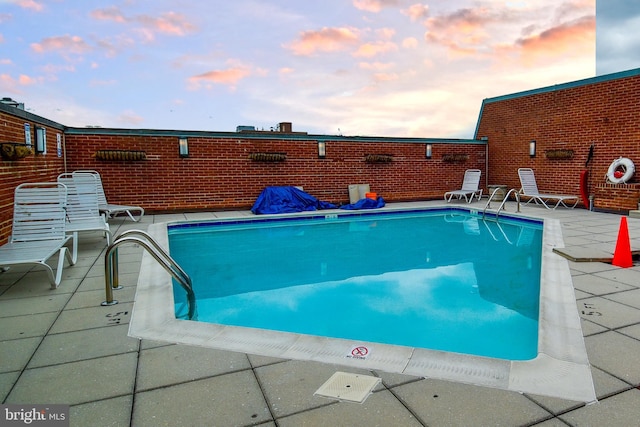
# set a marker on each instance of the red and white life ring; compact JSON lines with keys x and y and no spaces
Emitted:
{"x":620,"y":171}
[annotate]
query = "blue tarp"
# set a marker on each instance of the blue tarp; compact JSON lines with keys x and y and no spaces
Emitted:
{"x":275,"y":200}
{"x":365,"y":204}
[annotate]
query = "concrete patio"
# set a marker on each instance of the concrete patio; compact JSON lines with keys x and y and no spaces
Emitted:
{"x":61,"y":346}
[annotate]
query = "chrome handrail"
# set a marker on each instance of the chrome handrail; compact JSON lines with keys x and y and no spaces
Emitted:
{"x":501,"y":207}
{"x":154,"y":249}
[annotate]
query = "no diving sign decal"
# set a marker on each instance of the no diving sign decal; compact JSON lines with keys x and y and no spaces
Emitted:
{"x":359,"y":352}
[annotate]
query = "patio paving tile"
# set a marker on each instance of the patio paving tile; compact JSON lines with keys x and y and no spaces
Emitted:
{"x":620,"y":410}
{"x":604,"y":383}
{"x":7,"y":380}
{"x":114,"y":412}
{"x":54,"y":302}
{"x":616,"y":354}
{"x":15,"y":354}
{"x":77,"y":382}
{"x":629,"y":276}
{"x":82,"y":345}
{"x":31,"y":325}
{"x":225,"y":400}
{"x":607,"y":313}
{"x":173,"y":364}
{"x":92,"y":317}
{"x":440,"y":403}
{"x":379,"y":409}
{"x":631,"y":298}
{"x":598,"y":285}
{"x":289,"y":386}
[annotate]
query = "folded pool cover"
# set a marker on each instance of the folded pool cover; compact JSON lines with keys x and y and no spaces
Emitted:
{"x":275,"y":200}
{"x":365,"y":204}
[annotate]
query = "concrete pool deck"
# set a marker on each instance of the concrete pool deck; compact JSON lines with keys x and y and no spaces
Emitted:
{"x":61,"y":346}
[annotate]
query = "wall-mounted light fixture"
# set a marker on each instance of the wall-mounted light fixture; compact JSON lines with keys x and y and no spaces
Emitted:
{"x":41,"y":140}
{"x":428,"y":150}
{"x":183,"y":147}
{"x":322,"y":149}
{"x":532,"y":148}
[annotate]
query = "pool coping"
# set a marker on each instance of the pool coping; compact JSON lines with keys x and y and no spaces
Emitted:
{"x":561,"y":368}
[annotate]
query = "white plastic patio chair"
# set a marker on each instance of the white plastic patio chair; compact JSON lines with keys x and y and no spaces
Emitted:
{"x":469,"y":189}
{"x":530,"y":190}
{"x":82,"y":208}
{"x":38,"y":230}
{"x":110,"y":209}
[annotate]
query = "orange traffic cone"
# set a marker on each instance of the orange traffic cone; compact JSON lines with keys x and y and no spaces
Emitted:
{"x":622,"y":255}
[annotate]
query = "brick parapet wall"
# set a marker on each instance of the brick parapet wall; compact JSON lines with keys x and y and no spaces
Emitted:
{"x":617,"y":196}
{"x":218,"y":174}
{"x":604,"y":113}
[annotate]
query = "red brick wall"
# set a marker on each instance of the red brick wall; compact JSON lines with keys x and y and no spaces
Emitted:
{"x":218,"y":173}
{"x":604,"y":111}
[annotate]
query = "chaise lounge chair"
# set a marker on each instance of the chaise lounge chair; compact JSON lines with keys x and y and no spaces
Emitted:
{"x":82,"y":208}
{"x":38,"y":231}
{"x":110,"y":209}
{"x":530,"y":190}
{"x":469,"y":189}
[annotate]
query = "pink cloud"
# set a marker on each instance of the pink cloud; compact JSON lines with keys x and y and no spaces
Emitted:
{"x":417,"y":12}
{"x":11,"y":85}
{"x":109,"y":14}
{"x":385,"y":77}
{"x":228,"y":77}
{"x":25,"y":80}
{"x":66,"y":43}
{"x":170,"y":23}
{"x":369,"y":50}
{"x":374,"y":5}
{"x":31,"y":5}
{"x":410,"y":43}
{"x":131,"y":118}
{"x":463,"y":20}
{"x":377,"y":66}
{"x":324,"y":40}
{"x":576,"y":36}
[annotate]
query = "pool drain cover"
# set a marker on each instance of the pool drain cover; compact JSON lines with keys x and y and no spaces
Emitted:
{"x":346,"y":386}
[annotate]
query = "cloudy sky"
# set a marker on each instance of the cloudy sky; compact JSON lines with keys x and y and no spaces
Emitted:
{"x":351,"y":67}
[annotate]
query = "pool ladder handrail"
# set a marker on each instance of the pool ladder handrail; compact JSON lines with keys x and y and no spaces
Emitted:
{"x":506,"y":197}
{"x":159,"y":254}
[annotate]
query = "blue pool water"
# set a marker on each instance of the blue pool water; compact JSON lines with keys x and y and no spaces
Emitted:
{"x":442,"y":280}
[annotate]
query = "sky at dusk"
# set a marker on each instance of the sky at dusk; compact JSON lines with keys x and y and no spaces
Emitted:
{"x":350,"y":67}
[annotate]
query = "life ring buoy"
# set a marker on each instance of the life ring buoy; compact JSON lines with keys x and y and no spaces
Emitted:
{"x":616,"y":176}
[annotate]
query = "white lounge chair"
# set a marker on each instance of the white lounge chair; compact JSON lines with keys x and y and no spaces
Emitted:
{"x":110,"y":209}
{"x":469,"y":189}
{"x":82,"y":208}
{"x":530,"y":190}
{"x":38,"y":231}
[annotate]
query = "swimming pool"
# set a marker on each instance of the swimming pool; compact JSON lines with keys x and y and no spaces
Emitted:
{"x":560,"y":369}
{"x":428,"y":279}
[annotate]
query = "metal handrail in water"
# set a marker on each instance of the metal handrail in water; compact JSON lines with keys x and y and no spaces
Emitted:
{"x":501,"y":207}
{"x":154,"y":249}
